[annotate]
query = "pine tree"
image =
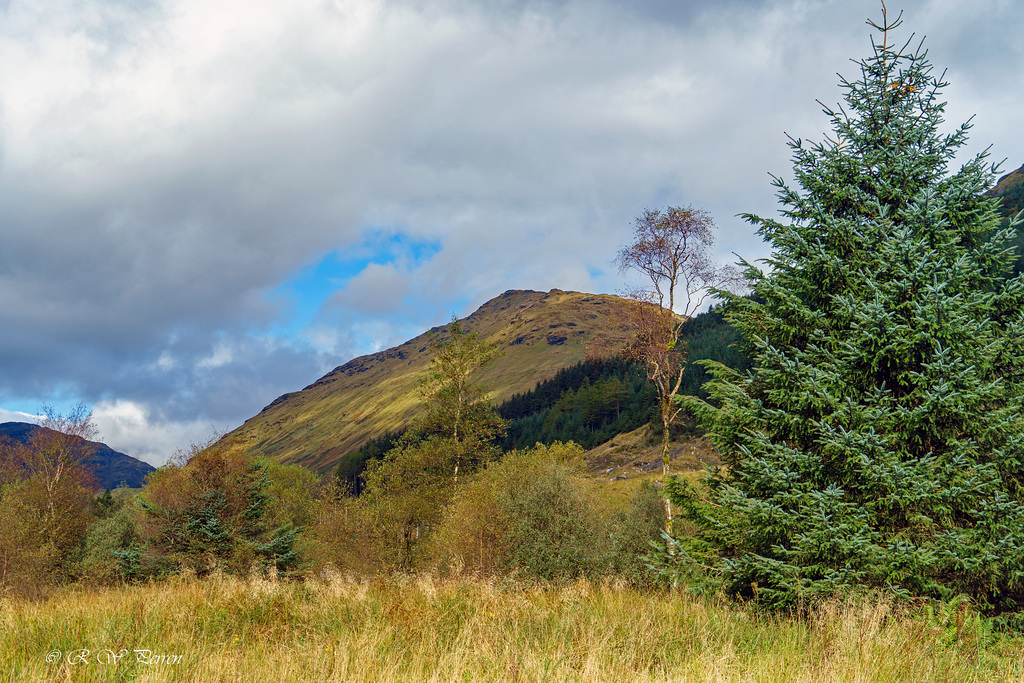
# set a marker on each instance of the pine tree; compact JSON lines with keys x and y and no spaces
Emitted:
{"x":879,"y":440}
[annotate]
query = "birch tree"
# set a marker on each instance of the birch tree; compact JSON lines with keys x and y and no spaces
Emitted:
{"x":455,"y":407}
{"x":671,"y":250}
{"x":412,"y":483}
{"x":46,"y":487}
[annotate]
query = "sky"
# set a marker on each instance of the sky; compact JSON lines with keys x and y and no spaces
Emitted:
{"x":207,"y":203}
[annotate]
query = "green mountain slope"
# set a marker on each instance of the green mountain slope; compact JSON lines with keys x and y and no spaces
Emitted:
{"x":539,"y":334}
{"x":1010,"y":190}
{"x":593,"y":401}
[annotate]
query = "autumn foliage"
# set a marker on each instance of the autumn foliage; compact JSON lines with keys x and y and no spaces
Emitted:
{"x":45,"y":493}
{"x":209,"y":510}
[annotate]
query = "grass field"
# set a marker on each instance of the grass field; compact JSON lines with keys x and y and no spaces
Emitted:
{"x":426,"y":629}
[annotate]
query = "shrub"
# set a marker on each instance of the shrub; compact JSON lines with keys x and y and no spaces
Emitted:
{"x":631,"y":533}
{"x":112,"y":549}
{"x":530,"y":512}
{"x":209,"y":511}
{"x":347,"y":537}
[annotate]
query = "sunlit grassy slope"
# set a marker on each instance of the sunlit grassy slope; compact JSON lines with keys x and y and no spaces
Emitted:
{"x":538,"y":333}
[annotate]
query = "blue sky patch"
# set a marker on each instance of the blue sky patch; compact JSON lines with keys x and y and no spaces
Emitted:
{"x":304,"y":294}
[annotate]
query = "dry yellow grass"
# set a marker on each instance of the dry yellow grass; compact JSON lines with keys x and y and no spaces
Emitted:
{"x":423,"y":629}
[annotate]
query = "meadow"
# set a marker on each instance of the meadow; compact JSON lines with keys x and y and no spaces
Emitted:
{"x":422,"y":628}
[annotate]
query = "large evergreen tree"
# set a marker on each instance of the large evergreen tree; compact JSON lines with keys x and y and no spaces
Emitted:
{"x":879,"y":440}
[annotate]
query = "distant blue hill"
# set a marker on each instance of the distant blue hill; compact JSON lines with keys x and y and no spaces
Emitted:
{"x":111,"y":468}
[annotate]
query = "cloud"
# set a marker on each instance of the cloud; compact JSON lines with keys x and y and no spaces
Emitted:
{"x":169,"y":167}
{"x":378,"y":289}
{"x":18,"y":416}
{"x":129,"y":427}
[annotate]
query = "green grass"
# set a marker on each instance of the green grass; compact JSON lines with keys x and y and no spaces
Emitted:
{"x":425,"y":629}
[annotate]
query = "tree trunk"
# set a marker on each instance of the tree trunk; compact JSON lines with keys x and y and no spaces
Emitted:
{"x":665,"y":460}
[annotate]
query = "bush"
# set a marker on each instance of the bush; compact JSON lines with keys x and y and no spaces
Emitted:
{"x":530,"y":512}
{"x":110,"y":545}
{"x":209,"y":511}
{"x":348,"y":537}
{"x":631,"y":532}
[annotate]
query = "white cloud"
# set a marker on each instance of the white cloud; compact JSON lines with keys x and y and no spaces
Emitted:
{"x":380,"y":289}
{"x":130,"y":428}
{"x":17,"y":416}
{"x":221,"y":355}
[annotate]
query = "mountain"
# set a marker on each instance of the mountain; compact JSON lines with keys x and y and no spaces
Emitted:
{"x":593,"y":401}
{"x":1010,"y":191}
{"x":539,"y":333}
{"x":111,"y":468}
{"x":1008,"y":182}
